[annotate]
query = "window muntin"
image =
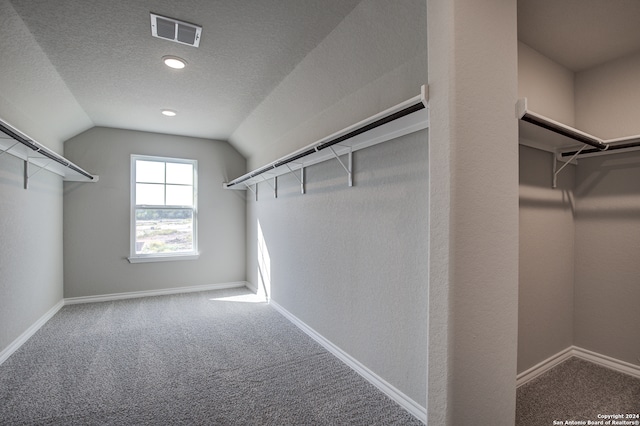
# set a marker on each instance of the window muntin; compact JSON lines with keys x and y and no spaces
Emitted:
{"x":164,"y":213}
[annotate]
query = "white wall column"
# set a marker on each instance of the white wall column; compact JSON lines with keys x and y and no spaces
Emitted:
{"x":473,"y":262}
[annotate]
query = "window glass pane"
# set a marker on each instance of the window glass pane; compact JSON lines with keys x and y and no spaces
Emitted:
{"x":180,"y":173}
{"x":164,"y":231}
{"x":149,"y":194}
{"x":179,"y":195}
{"x":149,"y":171}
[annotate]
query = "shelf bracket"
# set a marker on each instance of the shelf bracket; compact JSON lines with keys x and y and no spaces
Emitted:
{"x":275,"y":188}
{"x":557,"y":172}
{"x":350,"y":161}
{"x":300,"y":179}
{"x":255,"y":193}
{"x":26,"y":174}
{"x":40,"y":168}
{"x":5,"y":151}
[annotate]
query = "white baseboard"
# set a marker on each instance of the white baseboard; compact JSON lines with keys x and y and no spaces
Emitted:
{"x":587,"y":355}
{"x":607,"y":361}
{"x":544,"y":366}
{"x":254,"y":288}
{"x":404,"y":401}
{"x":148,"y":293}
{"x":15,"y":345}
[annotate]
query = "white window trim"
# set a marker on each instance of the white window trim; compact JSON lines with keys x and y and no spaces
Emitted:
{"x":144,"y":258}
{"x":162,"y":258}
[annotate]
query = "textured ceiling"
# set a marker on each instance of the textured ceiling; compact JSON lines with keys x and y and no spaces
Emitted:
{"x":580,"y":34}
{"x":107,"y":67}
{"x":105,"y":54}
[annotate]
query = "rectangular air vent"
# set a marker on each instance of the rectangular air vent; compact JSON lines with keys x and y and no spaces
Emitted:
{"x":175,"y":30}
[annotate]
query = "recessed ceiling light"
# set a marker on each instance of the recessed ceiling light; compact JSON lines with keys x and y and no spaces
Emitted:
{"x":169,"y":112}
{"x":174,"y":62}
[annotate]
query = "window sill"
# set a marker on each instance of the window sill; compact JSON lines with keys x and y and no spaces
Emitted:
{"x":168,"y":258}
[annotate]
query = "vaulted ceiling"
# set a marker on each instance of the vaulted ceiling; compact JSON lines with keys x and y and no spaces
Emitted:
{"x":85,"y":63}
{"x":105,"y":55}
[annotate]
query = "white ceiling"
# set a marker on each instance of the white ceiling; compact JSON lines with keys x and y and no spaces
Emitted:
{"x":580,"y":34}
{"x":104,"y":52}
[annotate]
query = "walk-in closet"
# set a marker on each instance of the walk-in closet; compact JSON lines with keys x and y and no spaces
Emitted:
{"x":579,"y":275}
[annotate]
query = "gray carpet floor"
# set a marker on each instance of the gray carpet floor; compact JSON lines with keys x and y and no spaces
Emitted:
{"x":576,"y":390}
{"x":208,"y":358}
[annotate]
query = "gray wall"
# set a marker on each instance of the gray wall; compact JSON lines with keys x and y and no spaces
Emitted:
{"x":547,"y":232}
{"x":31,"y":248}
{"x":607,"y":97}
{"x":351,"y":262}
{"x":96,"y":215}
{"x":607,"y":252}
{"x":31,"y":263}
{"x":374,"y":59}
{"x":607,"y":216}
{"x":548,"y":86}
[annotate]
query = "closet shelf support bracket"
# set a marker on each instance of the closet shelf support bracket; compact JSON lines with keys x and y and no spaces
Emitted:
{"x":6,"y":151}
{"x":255,"y":193}
{"x":300,"y":179}
{"x":557,"y":172}
{"x":274,"y":186}
{"x":40,"y":168}
{"x":26,"y":174}
{"x":349,"y":168}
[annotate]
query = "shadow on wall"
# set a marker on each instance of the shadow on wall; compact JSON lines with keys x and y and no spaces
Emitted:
{"x":562,"y":199}
{"x":607,"y":187}
{"x":536,"y":170}
{"x":536,"y":181}
{"x":606,"y":176}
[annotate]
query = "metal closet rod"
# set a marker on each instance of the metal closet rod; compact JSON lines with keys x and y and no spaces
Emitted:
{"x":633,"y":142}
{"x":323,"y":145}
{"x":42,"y":150}
{"x":564,"y":131}
{"x":598,"y":144}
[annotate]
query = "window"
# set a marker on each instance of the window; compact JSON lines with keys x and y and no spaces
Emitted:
{"x":163,"y":209}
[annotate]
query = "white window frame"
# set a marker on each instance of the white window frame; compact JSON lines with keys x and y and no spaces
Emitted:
{"x":162,"y":257}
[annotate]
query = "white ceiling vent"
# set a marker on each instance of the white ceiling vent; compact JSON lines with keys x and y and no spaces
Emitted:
{"x":175,"y":30}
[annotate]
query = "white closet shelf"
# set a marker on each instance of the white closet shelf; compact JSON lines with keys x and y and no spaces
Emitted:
{"x":407,"y":117}
{"x":542,"y":132}
{"x":17,"y":144}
